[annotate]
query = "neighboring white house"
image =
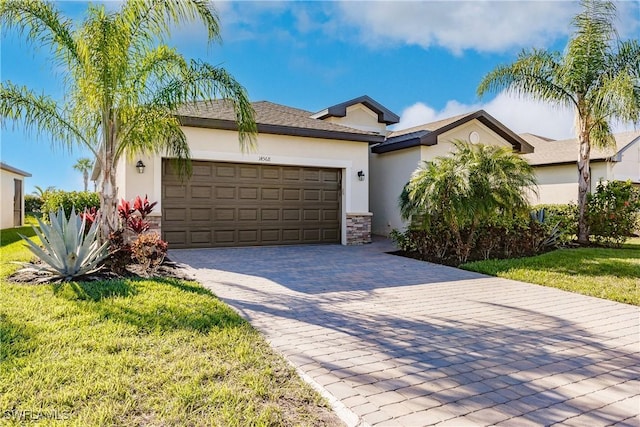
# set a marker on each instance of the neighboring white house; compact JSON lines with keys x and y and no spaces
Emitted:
{"x":11,"y":196}
{"x":556,"y":165}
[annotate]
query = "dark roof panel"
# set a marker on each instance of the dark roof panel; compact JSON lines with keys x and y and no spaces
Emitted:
{"x":384,"y":114}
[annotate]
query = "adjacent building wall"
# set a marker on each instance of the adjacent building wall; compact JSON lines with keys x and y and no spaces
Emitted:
{"x":628,"y":166}
{"x":7,"y":190}
{"x":222,"y":145}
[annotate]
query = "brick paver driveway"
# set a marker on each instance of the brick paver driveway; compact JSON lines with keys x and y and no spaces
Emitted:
{"x":402,"y":342}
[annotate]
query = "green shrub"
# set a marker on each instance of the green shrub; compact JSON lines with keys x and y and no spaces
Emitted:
{"x":565,"y":216}
{"x":613,"y":212}
{"x":80,"y":200}
{"x":498,"y":237}
{"x":32,"y":204}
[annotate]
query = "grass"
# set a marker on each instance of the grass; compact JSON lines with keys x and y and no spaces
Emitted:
{"x":607,"y":273}
{"x":138,"y":352}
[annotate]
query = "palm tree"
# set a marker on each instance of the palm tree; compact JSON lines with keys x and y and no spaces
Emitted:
{"x":84,"y":165}
{"x":122,"y":83}
{"x":40,"y":192}
{"x":598,"y":76}
{"x":468,"y":188}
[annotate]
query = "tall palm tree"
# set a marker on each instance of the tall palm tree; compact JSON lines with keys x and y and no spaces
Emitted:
{"x":598,"y":76}
{"x":122,"y":84}
{"x":83,"y":166}
{"x":468,"y":188}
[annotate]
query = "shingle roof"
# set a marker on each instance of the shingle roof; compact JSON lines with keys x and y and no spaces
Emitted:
{"x":270,"y":118}
{"x":427,"y":134}
{"x":431,"y":127}
{"x":549,"y":152}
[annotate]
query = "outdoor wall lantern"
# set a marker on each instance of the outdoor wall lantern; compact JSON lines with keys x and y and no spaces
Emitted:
{"x":361,"y":175}
{"x":140,"y":166}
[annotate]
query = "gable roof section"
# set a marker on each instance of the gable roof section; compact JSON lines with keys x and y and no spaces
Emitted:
{"x":340,"y":110}
{"x":270,"y":118}
{"x":11,"y":169}
{"x":549,"y":152}
{"x":428,"y":133}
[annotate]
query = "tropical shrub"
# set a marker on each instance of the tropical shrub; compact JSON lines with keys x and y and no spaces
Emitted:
{"x":32,"y":204}
{"x":133,"y":214}
{"x":461,"y":192}
{"x":149,"y":250}
{"x":67,"y":251}
{"x":69,"y":200}
{"x":565,"y":215}
{"x":614,"y":212}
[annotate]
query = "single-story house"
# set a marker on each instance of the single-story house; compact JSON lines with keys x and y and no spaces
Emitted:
{"x":556,"y":166}
{"x":12,"y":199}
{"x":328,"y":177}
{"x":307,"y":181}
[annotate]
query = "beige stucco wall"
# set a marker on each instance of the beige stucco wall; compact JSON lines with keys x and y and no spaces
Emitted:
{"x":7,"y":190}
{"x":487,"y":136}
{"x":389,"y":174}
{"x":559,"y":184}
{"x":221,"y":145}
{"x":359,"y":117}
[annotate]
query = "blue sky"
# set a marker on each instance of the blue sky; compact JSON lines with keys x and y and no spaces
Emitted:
{"x":423,"y":60}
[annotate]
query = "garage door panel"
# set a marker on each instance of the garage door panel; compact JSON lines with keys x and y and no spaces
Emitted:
{"x":291,"y":214}
{"x":176,"y":214}
{"x":225,"y":214}
{"x":248,"y":193}
{"x":200,"y":214}
{"x":311,"y":195}
{"x":200,"y":192}
{"x":225,"y":193}
{"x":201,"y":169}
{"x":224,"y":171}
{"x":175,"y":192}
{"x":270,"y":236}
{"x":248,"y":171}
{"x":248,"y":214}
{"x":224,"y":236}
{"x":330,"y":195}
{"x":227,"y":204}
{"x":248,"y":236}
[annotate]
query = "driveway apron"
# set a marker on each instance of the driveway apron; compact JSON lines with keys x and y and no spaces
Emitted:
{"x":398,"y":342}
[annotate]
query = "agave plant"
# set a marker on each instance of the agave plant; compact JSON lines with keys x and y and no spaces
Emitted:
{"x":66,"y":251}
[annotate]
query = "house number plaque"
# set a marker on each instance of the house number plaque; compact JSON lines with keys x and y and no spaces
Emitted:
{"x":264,"y":158}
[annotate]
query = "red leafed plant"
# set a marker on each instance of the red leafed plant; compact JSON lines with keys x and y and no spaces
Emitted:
{"x":149,"y":250}
{"x":89,"y":216}
{"x":134,"y":217}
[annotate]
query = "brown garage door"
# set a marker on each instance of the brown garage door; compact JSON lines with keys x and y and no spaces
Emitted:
{"x":237,"y":204}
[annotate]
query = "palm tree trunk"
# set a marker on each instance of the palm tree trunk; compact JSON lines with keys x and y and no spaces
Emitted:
{"x":584,"y":184}
{"x":109,"y":193}
{"x":85,"y":176}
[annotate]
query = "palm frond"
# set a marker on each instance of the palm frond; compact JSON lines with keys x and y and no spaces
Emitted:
{"x":42,"y":23}
{"x":535,"y":73}
{"x":39,"y":114}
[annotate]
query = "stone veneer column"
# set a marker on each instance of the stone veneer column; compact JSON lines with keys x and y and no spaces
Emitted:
{"x":359,"y":228}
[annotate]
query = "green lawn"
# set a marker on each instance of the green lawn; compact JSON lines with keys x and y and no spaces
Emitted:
{"x":612,"y":274}
{"x":138,"y":352}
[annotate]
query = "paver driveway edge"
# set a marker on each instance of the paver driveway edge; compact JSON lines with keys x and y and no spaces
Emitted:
{"x":395,"y":341}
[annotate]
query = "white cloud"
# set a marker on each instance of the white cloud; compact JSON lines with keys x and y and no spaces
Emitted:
{"x":518,"y":114}
{"x":485,"y":26}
